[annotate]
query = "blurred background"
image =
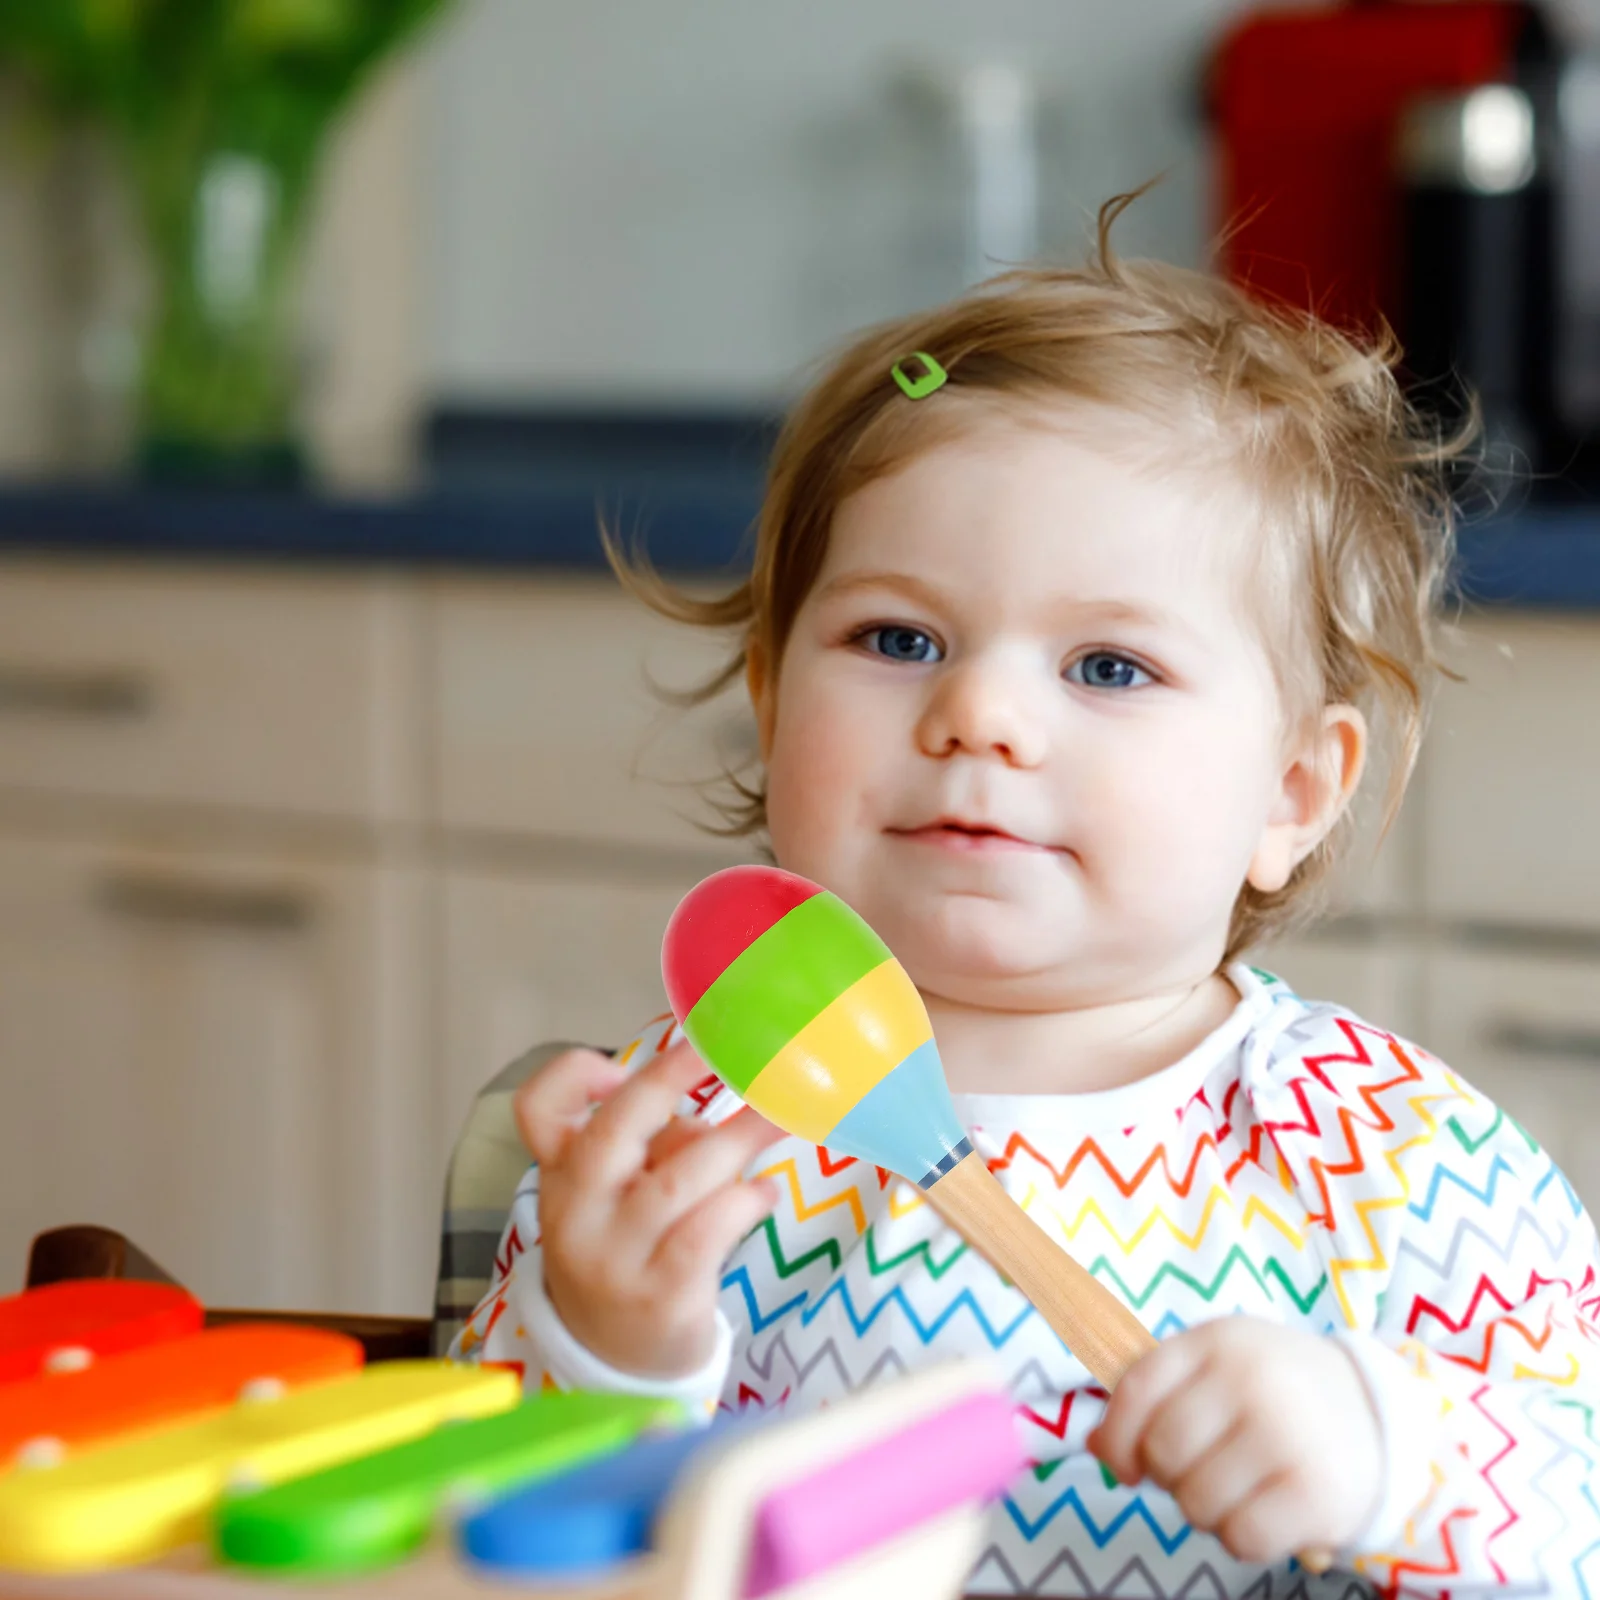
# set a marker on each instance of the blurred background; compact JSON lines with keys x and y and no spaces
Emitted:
{"x":331,"y":772}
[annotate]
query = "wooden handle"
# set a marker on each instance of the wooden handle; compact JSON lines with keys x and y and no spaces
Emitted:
{"x":1093,"y":1323}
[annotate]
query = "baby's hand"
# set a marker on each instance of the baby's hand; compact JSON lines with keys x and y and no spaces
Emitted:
{"x":638,"y":1209}
{"x":1264,"y":1435}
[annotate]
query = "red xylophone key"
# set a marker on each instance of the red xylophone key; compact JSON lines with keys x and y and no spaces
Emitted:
{"x":66,"y":1326}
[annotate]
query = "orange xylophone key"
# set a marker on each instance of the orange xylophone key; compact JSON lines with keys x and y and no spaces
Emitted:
{"x":63,"y":1327}
{"x":178,"y":1380}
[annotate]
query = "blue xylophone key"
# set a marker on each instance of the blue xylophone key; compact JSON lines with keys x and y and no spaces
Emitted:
{"x":594,"y":1516}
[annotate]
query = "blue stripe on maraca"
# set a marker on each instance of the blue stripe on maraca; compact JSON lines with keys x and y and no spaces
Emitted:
{"x":905,"y":1122}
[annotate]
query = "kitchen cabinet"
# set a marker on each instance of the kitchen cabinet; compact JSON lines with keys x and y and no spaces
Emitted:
{"x":213,"y":942}
{"x":1512,"y":779}
{"x":273,"y":693}
{"x":218,"y":1053}
{"x":549,"y":724}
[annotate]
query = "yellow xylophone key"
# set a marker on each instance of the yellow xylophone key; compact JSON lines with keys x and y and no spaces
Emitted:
{"x":118,"y":1503}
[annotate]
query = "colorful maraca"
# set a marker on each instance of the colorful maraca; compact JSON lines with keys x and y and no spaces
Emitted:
{"x":795,"y":1003}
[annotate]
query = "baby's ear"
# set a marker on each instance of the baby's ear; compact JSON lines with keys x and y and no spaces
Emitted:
{"x":1319,"y":781}
{"x":763,"y":693}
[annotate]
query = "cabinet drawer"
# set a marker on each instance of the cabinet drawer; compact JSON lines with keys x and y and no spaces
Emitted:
{"x":1526,"y":1031}
{"x":1511,"y":776}
{"x":547,"y":722}
{"x":162,"y":682}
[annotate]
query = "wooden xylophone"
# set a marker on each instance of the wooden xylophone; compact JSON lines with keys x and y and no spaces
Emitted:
{"x":143,"y":1457}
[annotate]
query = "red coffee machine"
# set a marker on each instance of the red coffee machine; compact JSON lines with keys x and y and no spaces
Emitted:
{"x":1306,"y":104}
{"x":1436,"y":165}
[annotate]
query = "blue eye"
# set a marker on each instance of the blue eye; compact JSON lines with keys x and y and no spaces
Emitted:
{"x":902,"y":644}
{"x":1101,"y":669}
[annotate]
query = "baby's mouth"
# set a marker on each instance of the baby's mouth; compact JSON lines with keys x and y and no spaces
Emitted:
{"x":949,"y":833}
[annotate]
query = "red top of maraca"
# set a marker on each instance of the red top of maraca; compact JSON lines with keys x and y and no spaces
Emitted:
{"x":717,"y":920}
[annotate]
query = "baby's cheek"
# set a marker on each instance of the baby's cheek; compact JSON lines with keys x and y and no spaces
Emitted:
{"x":798,"y":810}
{"x":819,"y":784}
{"x":1180,"y":846}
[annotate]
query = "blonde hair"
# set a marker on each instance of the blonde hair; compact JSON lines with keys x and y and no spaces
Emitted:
{"x":1351,"y":482}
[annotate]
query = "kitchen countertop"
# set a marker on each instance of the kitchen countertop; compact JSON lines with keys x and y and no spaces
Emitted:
{"x":692,"y":523}
{"x":696,"y":521}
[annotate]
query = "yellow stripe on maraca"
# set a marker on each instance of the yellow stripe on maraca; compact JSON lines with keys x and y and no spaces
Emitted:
{"x":849,"y":1047}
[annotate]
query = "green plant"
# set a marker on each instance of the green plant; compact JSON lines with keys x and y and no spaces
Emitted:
{"x":220,"y":109}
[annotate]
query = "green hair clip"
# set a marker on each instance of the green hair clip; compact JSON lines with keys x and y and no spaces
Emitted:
{"x":933,"y":377}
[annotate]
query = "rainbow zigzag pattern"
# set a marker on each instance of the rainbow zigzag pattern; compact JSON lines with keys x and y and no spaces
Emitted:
{"x":1324,"y":1173}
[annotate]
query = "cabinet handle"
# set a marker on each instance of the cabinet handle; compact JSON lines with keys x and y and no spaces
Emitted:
{"x":106,"y":693}
{"x":1544,"y":1039}
{"x":159,"y":897}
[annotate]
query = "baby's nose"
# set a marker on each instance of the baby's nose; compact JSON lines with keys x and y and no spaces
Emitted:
{"x":982,"y":709}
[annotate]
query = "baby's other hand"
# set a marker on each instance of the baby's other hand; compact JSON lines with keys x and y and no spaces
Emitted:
{"x":1264,"y":1435}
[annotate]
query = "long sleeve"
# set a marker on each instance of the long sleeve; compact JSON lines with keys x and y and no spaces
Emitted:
{"x":516,"y":1326}
{"x":1451,"y":1240}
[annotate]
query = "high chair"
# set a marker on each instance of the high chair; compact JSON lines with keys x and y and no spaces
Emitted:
{"x":486,"y":1165}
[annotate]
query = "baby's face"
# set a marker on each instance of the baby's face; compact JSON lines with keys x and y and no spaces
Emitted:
{"x":1023,"y":725}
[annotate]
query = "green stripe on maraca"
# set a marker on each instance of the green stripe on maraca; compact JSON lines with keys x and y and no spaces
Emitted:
{"x":778,"y":983}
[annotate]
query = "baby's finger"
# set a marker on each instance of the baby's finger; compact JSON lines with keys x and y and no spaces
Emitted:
{"x":694,"y":1249}
{"x":616,"y":1142}
{"x":716,"y":1157}
{"x":683,"y":1131}
{"x":1214,"y":1489}
{"x":677,"y":1135}
{"x":1134,"y":1403}
{"x":746,"y":1133}
{"x":1274,"y":1517}
{"x":556,"y":1100}
{"x":1190,"y":1423}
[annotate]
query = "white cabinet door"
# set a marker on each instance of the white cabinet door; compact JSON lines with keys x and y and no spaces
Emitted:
{"x":1511,"y":776}
{"x":1525,"y":1029}
{"x":220,"y":1056}
{"x":547,"y":723}
{"x":530,"y":959}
